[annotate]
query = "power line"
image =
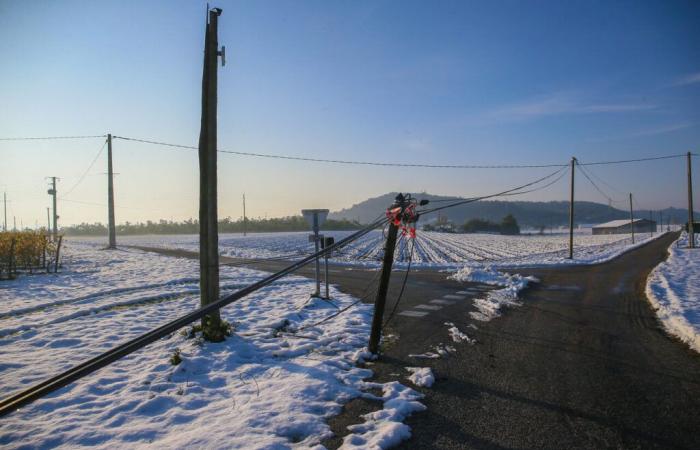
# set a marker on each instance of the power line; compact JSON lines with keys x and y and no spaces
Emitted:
{"x":585,"y":174}
{"x":82,"y":177}
{"x":50,"y":138}
{"x":341,"y":161}
{"x":625,"y":161}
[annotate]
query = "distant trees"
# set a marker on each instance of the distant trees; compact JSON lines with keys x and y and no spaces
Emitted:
{"x":226,"y":225}
{"x":509,"y":225}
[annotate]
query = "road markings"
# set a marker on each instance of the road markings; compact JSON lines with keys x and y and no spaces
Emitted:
{"x":454,"y":297}
{"x":413,"y":313}
{"x":441,"y":302}
{"x":429,"y":307}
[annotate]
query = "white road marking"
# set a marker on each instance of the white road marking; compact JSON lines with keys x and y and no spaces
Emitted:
{"x":413,"y":313}
{"x":429,"y":307}
{"x":441,"y":302}
{"x":454,"y":297}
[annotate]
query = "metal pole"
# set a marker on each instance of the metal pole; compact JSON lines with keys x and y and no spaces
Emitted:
{"x":380,"y":301}
{"x":691,"y":218}
{"x":318,"y":263}
{"x":571,"y":211}
{"x":208,"y":227}
{"x":110,"y":196}
{"x":245,"y":224}
{"x":325,"y":264}
{"x":55,"y":213}
{"x":631,"y":218}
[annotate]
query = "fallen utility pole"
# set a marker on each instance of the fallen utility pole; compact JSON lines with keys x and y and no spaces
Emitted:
{"x":691,"y":216}
{"x":631,"y":218}
{"x":110,"y":196}
{"x":212,"y":326}
{"x":571,"y":210}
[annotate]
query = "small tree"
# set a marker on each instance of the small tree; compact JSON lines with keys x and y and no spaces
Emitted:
{"x":509,"y":225}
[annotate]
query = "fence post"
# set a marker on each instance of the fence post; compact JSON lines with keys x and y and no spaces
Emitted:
{"x":380,"y":301}
{"x":58,"y":253}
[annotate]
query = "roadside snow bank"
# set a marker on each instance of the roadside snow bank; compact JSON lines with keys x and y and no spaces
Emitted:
{"x":489,"y":307}
{"x":673,"y":288}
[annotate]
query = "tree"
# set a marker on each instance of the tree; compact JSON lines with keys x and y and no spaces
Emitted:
{"x":509,"y":225}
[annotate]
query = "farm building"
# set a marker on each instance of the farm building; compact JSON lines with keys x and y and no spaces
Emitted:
{"x":624,"y":226}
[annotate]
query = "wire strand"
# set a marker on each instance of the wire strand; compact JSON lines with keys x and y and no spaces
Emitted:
{"x":82,"y":177}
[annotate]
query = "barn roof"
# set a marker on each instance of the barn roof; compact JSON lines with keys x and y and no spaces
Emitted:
{"x":617,"y":223}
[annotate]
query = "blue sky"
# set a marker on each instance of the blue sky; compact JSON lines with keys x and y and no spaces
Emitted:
{"x":434,"y":82}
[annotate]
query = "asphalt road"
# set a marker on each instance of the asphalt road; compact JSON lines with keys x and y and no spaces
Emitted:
{"x":583,"y":363}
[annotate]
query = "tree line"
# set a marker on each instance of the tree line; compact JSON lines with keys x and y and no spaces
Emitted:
{"x":508,"y":225}
{"x":191,"y":226}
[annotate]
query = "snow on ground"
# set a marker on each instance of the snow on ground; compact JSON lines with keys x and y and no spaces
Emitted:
{"x":489,"y":306}
{"x":673,"y":288}
{"x":261,"y":388}
{"x":432,"y":249}
{"x":421,"y":376}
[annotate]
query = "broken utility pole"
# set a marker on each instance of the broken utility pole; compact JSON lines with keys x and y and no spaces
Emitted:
{"x":110,"y":196}
{"x":212,"y":326}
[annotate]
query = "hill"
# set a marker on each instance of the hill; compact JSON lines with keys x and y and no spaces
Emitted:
{"x":528,"y":214}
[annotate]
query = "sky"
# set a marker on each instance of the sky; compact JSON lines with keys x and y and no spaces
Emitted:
{"x":463,"y":82}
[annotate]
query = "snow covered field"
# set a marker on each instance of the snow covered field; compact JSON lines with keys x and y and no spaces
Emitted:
{"x":261,"y":388}
{"x":673,"y":288}
{"x":432,"y":249}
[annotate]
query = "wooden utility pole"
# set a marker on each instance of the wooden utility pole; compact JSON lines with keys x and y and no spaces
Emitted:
{"x":691,"y":217}
{"x":245,"y":220}
{"x":4,"y":195}
{"x":380,"y":302}
{"x":571,"y":210}
{"x":110,"y":196}
{"x":631,"y":218}
{"x":212,"y":327}
{"x":651,"y":226}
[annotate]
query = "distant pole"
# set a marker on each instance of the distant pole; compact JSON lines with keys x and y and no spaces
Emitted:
{"x":651,"y":227}
{"x":14,"y":223}
{"x":661,"y":221}
{"x":212,"y":328}
{"x":691,"y":218}
{"x":245,"y":220}
{"x":52,"y":192}
{"x":5,"y":200}
{"x":110,"y":196}
{"x":631,"y":218}
{"x":571,"y":211}
{"x":48,"y":221}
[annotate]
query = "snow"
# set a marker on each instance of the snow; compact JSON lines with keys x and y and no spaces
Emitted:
{"x":458,"y":336}
{"x":489,"y":307}
{"x":261,"y":388}
{"x":673,"y":288}
{"x":421,"y":376}
{"x":432,"y":249}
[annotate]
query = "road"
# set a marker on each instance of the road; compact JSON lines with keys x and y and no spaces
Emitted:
{"x":583,"y":363}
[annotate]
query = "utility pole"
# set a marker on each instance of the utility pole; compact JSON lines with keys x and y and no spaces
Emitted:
{"x":245,"y":220}
{"x":571,"y":210}
{"x":5,"y":201}
{"x":14,"y":223}
{"x":691,"y":218}
{"x":380,"y":301}
{"x":48,"y":221}
{"x":631,"y":218}
{"x":110,"y":196}
{"x":52,"y":192}
{"x":212,"y":328}
{"x":651,"y":226}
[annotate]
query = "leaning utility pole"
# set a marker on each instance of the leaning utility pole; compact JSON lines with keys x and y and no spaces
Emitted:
{"x":631,"y":218}
{"x":212,"y":328}
{"x":110,"y":196}
{"x":571,"y":211}
{"x":52,"y":192}
{"x":245,"y":224}
{"x":380,"y":301}
{"x":691,"y":217}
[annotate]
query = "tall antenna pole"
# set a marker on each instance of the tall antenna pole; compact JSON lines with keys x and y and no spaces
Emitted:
{"x":631,"y":218}
{"x":245,"y":220}
{"x":212,"y":328}
{"x":691,"y":218}
{"x":110,"y":196}
{"x":571,"y":211}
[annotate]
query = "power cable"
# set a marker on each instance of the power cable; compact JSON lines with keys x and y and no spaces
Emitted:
{"x":82,"y":177}
{"x":403,"y":286}
{"x":51,"y":138}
